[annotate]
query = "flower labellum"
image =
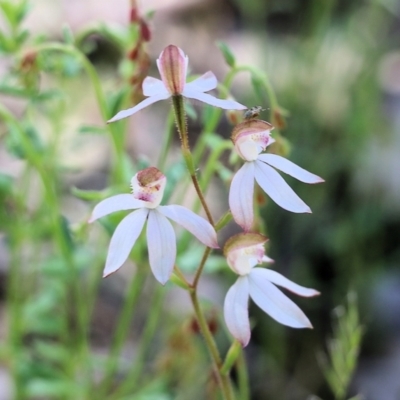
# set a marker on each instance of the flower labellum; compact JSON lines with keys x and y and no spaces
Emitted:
{"x":251,"y":137}
{"x":147,"y":191}
{"x":243,"y":252}
{"x":172,"y":65}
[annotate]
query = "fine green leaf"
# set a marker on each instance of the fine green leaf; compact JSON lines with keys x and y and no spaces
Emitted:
{"x":227,"y":53}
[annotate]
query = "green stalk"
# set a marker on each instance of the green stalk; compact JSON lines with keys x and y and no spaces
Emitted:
{"x":223,"y":379}
{"x":166,"y":142}
{"x":243,"y":377}
{"x":181,"y":123}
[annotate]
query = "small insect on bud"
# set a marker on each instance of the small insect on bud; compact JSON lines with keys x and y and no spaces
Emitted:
{"x":253,"y":112}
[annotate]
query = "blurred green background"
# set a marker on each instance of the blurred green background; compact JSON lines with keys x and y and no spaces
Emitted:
{"x":335,"y":68}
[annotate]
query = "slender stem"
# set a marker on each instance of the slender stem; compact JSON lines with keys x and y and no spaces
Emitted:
{"x":181,"y":123}
{"x":243,"y":377}
{"x":210,"y":168}
{"x":179,"y":273}
{"x":206,"y":253}
{"x":223,"y":380}
{"x":166,"y":142}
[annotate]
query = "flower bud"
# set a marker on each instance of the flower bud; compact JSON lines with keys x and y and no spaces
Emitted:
{"x":145,"y":32}
{"x":251,"y":137}
{"x":148,"y":185}
{"x":244,"y":251}
{"x":172,"y":65}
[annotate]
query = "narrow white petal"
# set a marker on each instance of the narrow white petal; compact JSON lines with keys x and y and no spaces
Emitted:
{"x":123,"y":239}
{"x":236,"y":311}
{"x":161,"y":243}
{"x":278,"y":279}
{"x":146,"y":102}
{"x":204,"y":83}
{"x":279,"y":191}
{"x":272,"y":301}
{"x":115,"y":203}
{"x":290,"y":168}
{"x":241,"y":196}
{"x":196,"y":225}
{"x":206,"y":98}
{"x":153,"y":86}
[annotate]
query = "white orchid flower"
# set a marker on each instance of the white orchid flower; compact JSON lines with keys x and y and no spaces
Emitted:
{"x":172,"y":65}
{"x":250,"y":139}
{"x":243,"y":252}
{"x":147,"y":192}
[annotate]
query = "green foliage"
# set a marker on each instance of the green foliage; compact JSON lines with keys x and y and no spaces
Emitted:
{"x":343,"y":348}
{"x":323,"y":71}
{"x":14,"y":13}
{"x":227,"y":53}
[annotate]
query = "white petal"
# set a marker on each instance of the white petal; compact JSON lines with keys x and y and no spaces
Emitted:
{"x":206,"y":98}
{"x":241,"y":196}
{"x":290,"y":168}
{"x":123,"y":239}
{"x":196,"y":225}
{"x":272,"y":301}
{"x":280,"y":280}
{"x":236,"y":310}
{"x":146,"y":102}
{"x":161,"y":243}
{"x":115,"y":203}
{"x":279,"y":191}
{"x":153,"y":86}
{"x":204,"y":83}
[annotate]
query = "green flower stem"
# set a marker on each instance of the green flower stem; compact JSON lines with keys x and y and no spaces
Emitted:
{"x":131,"y":381}
{"x":181,"y":123}
{"x":210,"y":168}
{"x":219,"y":225}
{"x":180,"y":275}
{"x":243,"y":377}
{"x":124,"y":323}
{"x":231,"y":357}
{"x":166,"y":143}
{"x":206,"y":253}
{"x":223,"y":380}
{"x":116,"y":135}
{"x":223,"y":221}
